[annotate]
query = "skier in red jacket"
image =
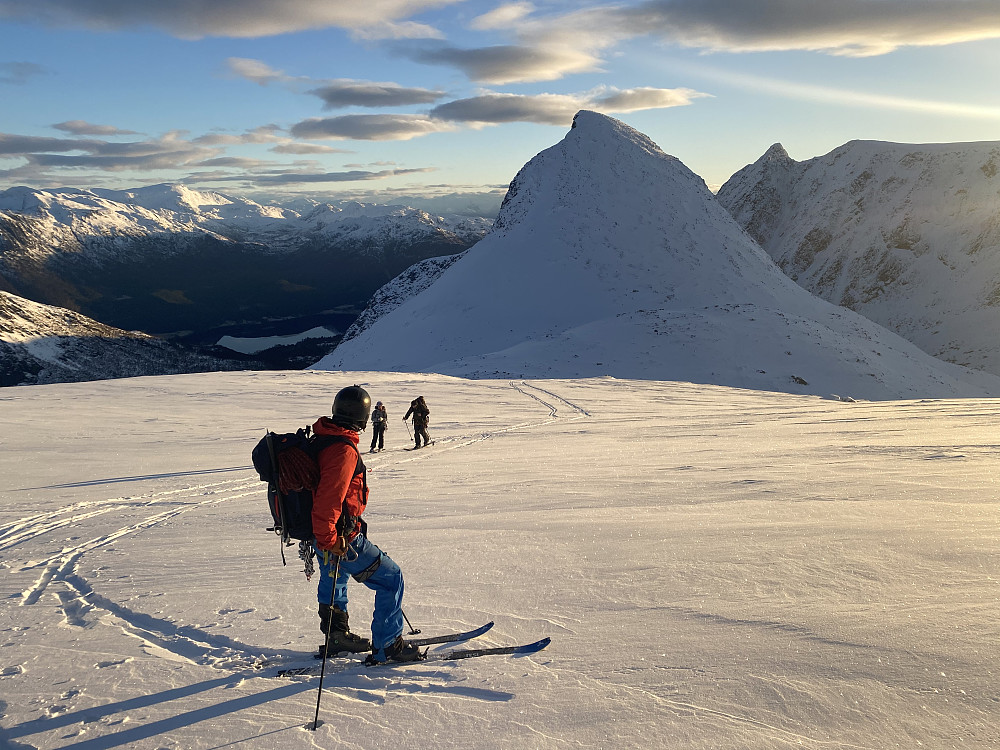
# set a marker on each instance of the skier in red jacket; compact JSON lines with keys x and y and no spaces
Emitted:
{"x":342,"y":545}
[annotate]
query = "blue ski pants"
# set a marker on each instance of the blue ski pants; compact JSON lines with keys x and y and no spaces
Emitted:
{"x":369,"y":565}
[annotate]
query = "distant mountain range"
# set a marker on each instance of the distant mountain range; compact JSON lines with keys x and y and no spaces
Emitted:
{"x":906,"y":235}
{"x":169,"y":260}
{"x":43,"y":344}
{"x":610,"y":257}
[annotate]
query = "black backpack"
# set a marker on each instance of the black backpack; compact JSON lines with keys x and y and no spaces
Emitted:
{"x":288,"y":463}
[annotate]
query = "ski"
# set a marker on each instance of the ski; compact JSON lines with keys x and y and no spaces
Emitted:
{"x":446,"y":638}
{"x":432,"y":442}
{"x":451,"y":637}
{"x":454,"y":655}
{"x":464,"y":635}
{"x":472,"y":653}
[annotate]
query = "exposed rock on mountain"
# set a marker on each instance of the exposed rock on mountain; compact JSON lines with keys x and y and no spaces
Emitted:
{"x":907,"y":235}
{"x":610,"y":257}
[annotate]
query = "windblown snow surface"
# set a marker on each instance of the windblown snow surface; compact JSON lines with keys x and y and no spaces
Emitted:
{"x":717,"y":568}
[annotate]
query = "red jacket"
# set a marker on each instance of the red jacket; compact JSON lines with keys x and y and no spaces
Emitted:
{"x":336,"y":481}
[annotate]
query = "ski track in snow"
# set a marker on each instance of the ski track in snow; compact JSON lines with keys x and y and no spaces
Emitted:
{"x":78,"y":600}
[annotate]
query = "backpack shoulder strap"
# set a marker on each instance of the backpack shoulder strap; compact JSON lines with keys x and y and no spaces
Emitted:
{"x":320,"y":442}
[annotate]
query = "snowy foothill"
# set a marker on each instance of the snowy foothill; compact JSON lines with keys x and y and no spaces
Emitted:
{"x":716,"y":567}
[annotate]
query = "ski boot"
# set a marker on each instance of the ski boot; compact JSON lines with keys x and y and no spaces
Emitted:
{"x":399,"y":650}
{"x":341,"y":638}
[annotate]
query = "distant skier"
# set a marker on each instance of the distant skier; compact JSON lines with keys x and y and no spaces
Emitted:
{"x":338,"y":502}
{"x":421,"y":418}
{"x":380,"y":420}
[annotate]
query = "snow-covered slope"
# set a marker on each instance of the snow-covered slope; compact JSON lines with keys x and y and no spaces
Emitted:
{"x":718,"y":569}
{"x":907,"y":235}
{"x":610,"y":257}
{"x":44,"y":344}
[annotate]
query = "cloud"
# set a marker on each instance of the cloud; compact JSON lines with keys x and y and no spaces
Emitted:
{"x":262,"y":134}
{"x":368,"y":127}
{"x":291,"y":147}
{"x":549,"y":46}
{"x":80,"y":127}
{"x":514,"y":63}
{"x":19,"y":73}
{"x":233,"y":162}
{"x":254,"y":70}
{"x":843,"y":27}
{"x":502,"y":17}
{"x":167,"y":152}
{"x":559,"y":109}
{"x":233,"y":18}
{"x":336,"y":94}
{"x":547,"y":109}
{"x":634,"y":100}
{"x":847,"y":97}
{"x":351,"y":93}
{"x":288,"y":178}
{"x":12,"y":144}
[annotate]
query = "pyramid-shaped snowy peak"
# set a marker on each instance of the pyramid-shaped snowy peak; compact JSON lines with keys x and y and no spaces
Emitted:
{"x":610,"y":257}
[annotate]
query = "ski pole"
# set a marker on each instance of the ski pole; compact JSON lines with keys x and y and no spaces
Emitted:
{"x":408,"y":429}
{"x":326,"y":648}
{"x":412,"y":631}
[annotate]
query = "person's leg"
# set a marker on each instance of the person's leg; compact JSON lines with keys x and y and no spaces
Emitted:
{"x":377,"y":571}
{"x":326,"y":592}
{"x":333,"y":617}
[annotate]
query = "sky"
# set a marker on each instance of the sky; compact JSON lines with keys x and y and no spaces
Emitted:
{"x":434,"y":97}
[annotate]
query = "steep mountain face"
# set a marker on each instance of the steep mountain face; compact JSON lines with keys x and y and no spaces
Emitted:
{"x":45,"y":344}
{"x":166,"y":259}
{"x":610,"y":257}
{"x":907,"y":235}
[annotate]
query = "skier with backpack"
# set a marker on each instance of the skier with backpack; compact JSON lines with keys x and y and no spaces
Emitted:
{"x":341,"y":543}
{"x":380,"y":420}
{"x":421,"y":418}
{"x":317,"y":491}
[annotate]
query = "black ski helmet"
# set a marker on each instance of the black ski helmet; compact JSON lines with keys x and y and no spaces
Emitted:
{"x":351,"y":408}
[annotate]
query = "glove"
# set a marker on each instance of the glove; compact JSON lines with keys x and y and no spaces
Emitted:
{"x":339,"y":548}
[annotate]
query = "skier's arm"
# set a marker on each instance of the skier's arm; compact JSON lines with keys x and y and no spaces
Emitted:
{"x":336,"y":469}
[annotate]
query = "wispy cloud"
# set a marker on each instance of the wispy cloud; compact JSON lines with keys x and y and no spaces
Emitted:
{"x":19,"y":73}
{"x":559,"y":109}
{"x":843,"y":27}
{"x":503,"y":17}
{"x":352,"y":93}
{"x":257,"y":71}
{"x":294,"y":147}
{"x":551,"y":45}
{"x":288,"y":178}
{"x":846,"y":97}
{"x":166,"y":152}
{"x":372,"y":19}
{"x":511,"y":63}
{"x":81,"y":127}
{"x":369,"y":127}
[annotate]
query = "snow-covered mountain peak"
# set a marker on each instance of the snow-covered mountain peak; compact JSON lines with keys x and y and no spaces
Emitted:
{"x":906,"y":234}
{"x":612,"y":258}
{"x":167,"y":196}
{"x":777,"y":153}
{"x":602,"y":162}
